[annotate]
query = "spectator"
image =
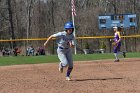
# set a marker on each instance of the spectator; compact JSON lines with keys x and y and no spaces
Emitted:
{"x":16,"y":51}
{"x":30,"y":51}
{"x":3,"y":51}
{"x":40,"y":51}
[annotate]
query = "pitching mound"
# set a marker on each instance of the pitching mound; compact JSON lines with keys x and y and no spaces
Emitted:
{"x":87,"y":77}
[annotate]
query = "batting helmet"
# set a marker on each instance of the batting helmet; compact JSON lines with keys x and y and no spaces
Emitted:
{"x":68,"y":25}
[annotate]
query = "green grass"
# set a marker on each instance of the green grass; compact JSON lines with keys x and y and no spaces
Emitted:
{"x":103,"y":56}
{"x":12,"y":60}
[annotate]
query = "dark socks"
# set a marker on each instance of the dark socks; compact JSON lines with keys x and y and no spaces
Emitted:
{"x":68,"y":71}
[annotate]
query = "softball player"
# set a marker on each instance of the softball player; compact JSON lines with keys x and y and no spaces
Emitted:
{"x":65,"y":41}
{"x":117,"y":41}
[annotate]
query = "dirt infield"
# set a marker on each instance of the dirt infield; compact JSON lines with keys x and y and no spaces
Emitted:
{"x":87,"y":77}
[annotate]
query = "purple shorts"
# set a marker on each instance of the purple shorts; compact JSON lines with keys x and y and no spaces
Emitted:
{"x":117,"y":48}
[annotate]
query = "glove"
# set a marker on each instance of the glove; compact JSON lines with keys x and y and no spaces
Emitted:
{"x":114,"y":44}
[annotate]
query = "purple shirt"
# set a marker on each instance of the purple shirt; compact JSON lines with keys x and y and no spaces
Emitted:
{"x":117,"y":36}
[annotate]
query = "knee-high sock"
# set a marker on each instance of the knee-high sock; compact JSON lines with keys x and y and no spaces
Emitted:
{"x":116,"y":56}
{"x":68,"y":71}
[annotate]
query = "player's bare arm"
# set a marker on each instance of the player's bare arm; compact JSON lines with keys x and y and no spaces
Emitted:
{"x":46,"y":43}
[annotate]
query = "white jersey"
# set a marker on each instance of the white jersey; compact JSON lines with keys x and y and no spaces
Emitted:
{"x":63,"y":39}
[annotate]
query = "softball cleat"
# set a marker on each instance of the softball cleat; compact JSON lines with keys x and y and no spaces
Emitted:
{"x":117,"y":60}
{"x":68,"y":78}
{"x":60,"y":67}
{"x":124,"y":54}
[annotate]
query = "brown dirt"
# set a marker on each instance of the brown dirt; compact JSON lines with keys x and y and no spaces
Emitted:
{"x":87,"y":77}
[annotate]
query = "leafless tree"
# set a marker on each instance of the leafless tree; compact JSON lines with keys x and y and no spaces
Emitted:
{"x":41,"y":18}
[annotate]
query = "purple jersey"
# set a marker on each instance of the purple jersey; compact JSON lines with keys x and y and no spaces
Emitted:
{"x":117,"y":36}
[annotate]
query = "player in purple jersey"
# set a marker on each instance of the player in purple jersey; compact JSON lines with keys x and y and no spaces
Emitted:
{"x":117,"y":46}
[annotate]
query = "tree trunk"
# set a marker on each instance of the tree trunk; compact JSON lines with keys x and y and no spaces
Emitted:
{"x":11,"y":27}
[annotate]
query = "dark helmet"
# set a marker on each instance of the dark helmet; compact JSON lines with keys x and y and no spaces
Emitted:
{"x":68,"y":25}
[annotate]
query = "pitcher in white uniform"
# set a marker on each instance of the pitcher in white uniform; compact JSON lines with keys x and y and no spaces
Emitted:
{"x":65,"y":41}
